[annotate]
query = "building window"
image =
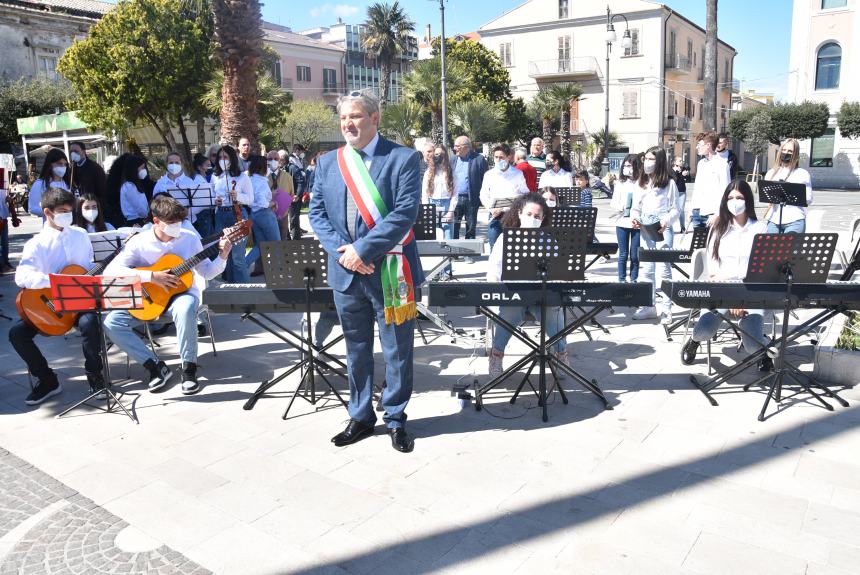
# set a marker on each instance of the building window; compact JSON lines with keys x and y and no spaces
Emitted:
{"x":701,"y":107}
{"x":689,"y":50}
{"x":727,"y":76}
{"x":827,"y":66}
{"x":329,"y":81}
{"x":505,"y":54}
{"x":563,"y":11}
{"x":303,"y":73}
{"x":48,"y":67}
{"x":825,"y":4}
{"x":633,"y":50}
{"x":564,"y":54}
{"x":630,"y":103}
{"x":822,"y":150}
{"x":276,"y":73}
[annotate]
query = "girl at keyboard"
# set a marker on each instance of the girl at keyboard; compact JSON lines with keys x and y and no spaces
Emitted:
{"x":527,"y":211}
{"x":730,"y":242}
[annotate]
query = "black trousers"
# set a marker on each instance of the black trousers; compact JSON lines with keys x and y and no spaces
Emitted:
{"x":294,"y":216}
{"x":22,"y":335}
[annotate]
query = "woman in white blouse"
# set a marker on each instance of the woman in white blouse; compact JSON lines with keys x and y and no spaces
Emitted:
{"x":232,"y":185}
{"x":730,"y":242}
{"x":621,"y":206}
{"x":54,"y":174}
{"x":438,"y":189}
{"x":89,"y":216}
{"x":555,"y":175}
{"x":786,"y":170}
{"x":262,"y":213}
{"x":132,"y":193}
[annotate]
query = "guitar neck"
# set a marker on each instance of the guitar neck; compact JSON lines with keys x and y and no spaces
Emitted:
{"x":191,"y":262}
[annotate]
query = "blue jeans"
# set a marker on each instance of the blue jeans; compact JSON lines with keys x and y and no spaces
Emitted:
{"x":265,"y":230}
{"x":628,"y":246}
{"x":697,"y":220}
{"x":359,"y":307}
{"x":753,"y":322}
{"x":795,"y":227}
{"x":650,"y":267}
{"x":183,"y":309}
{"x":236,"y":270}
{"x":682,"y":201}
{"x":468,"y":212}
{"x":514,"y":315}
{"x":325,"y":323}
{"x":447,"y":227}
{"x":494,"y":230}
{"x":205,"y":223}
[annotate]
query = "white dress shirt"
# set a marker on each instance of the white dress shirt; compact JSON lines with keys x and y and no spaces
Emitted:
{"x":660,"y":202}
{"x":244,"y":190}
{"x":498,"y":185}
{"x":262,"y":193}
{"x":790,"y":213}
{"x":560,"y":179}
{"x":618,"y":203}
{"x":165,"y":182}
{"x":49,"y":251}
{"x":712,"y":178}
{"x":440,"y":190}
{"x":133,"y":202}
{"x":145,"y":248}
{"x":34,"y":203}
{"x":735,"y":247}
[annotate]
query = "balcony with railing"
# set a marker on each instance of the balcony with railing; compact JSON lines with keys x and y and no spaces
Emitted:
{"x":677,"y":124}
{"x":678,"y":63}
{"x":558,"y":69}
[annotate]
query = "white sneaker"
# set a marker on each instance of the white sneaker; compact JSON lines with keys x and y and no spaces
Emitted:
{"x":666,"y":315}
{"x":496,"y":364}
{"x":645,"y":312}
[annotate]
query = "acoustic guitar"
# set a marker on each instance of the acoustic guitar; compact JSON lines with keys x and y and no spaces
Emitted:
{"x":156,"y":298}
{"x":37,"y":310}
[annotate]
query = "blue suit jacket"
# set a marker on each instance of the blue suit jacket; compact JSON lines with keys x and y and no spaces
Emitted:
{"x":395,"y":171}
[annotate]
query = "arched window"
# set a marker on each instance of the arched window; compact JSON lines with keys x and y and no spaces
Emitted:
{"x":827,"y":66}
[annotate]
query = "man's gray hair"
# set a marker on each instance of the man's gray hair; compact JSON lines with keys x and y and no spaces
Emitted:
{"x":283,"y":154}
{"x":521,"y":154}
{"x":368,"y":102}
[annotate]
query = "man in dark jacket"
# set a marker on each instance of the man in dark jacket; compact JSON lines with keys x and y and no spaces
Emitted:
{"x":295,"y":166}
{"x":729,"y":156}
{"x":89,"y":177}
{"x":469,"y":168}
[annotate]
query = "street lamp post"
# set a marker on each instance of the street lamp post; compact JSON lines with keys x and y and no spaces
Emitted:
{"x":442,"y":47}
{"x":626,"y":42}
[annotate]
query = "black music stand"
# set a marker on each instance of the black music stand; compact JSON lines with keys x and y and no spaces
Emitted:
{"x":97,"y":294}
{"x":788,"y":258}
{"x":782,"y":193}
{"x":425,"y":224}
{"x":107,"y":243}
{"x":201,"y":196}
{"x":300,"y":264}
{"x":698,"y":241}
{"x":543,"y":254}
{"x":568,"y":196}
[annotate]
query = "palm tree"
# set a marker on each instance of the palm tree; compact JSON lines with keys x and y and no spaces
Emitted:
{"x":598,"y":139}
{"x":386,"y":36}
{"x":238,"y":45}
{"x":424,"y":85}
{"x":541,"y":107}
{"x":710,"y":115}
{"x":479,"y":119}
{"x":401,"y":120}
{"x":562,"y":95}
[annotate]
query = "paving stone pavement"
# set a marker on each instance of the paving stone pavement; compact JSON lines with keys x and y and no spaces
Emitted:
{"x":78,"y":537}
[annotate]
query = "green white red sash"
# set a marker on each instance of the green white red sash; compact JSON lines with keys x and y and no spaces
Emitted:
{"x":397,"y":287}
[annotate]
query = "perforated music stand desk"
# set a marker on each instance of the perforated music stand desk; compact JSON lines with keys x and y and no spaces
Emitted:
{"x":86,"y":293}
{"x":297,"y":270}
{"x":569,"y":196}
{"x":783,"y":194}
{"x":424,"y":227}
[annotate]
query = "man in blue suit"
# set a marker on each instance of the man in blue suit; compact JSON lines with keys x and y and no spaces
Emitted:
{"x":357,"y":253}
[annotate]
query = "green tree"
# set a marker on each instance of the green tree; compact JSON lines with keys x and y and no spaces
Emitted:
{"x":402,"y":120}
{"x":848,"y":120}
{"x":758,"y":130}
{"x":386,"y":36}
{"x":738,"y":122}
{"x":543,"y":108}
{"x":598,"y":139}
{"x":561,"y":95}
{"x":25,"y":98}
{"x":423,"y":84}
{"x":307,"y":122}
{"x":140,"y":63}
{"x":479,"y":119}
{"x":486,"y":78}
{"x":802,"y":121}
{"x":518,"y":125}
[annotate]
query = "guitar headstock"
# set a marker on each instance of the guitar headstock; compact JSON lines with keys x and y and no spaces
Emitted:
{"x":237,"y":232}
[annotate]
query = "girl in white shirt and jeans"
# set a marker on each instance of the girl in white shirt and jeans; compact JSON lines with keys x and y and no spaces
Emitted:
{"x":786,"y":170}
{"x":438,"y":189}
{"x":621,"y":205}
{"x":730,"y":242}
{"x":656,"y":200}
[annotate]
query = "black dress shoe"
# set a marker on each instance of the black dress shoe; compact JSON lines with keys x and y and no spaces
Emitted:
{"x":355,"y":431}
{"x":765,"y":365}
{"x":400,"y":440}
{"x":688,"y":352}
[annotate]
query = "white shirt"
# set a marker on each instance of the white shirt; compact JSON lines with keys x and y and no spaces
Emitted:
{"x":498,"y":184}
{"x":712,"y":178}
{"x":494,"y":263}
{"x":560,"y":179}
{"x":369,"y":149}
{"x":735,"y":247}
{"x":618,"y":203}
{"x":440,"y":190}
{"x":34,"y":205}
{"x":244,"y":191}
{"x":144,"y":249}
{"x":49,"y":251}
{"x":133,"y":202}
{"x":262,"y":192}
{"x":186,"y":225}
{"x":91,"y":229}
{"x":790,"y":213}
{"x":660,"y":202}
{"x":165,"y":182}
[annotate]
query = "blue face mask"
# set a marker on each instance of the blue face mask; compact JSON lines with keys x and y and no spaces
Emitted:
{"x":503,"y":165}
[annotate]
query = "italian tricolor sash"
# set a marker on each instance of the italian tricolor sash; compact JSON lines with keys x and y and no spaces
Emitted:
{"x":397,"y":287}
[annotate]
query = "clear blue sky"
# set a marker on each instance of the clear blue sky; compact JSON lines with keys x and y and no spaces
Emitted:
{"x":760,"y":30}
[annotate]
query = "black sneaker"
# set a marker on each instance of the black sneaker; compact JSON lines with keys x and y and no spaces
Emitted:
{"x":201,"y":329}
{"x":46,"y":388}
{"x":688,"y":352}
{"x":766,"y":364}
{"x":189,"y":379}
{"x":97,"y":385}
{"x":159,"y":374}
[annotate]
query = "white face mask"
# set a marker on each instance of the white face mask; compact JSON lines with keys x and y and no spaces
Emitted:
{"x":529,"y":221}
{"x":302,"y":156}
{"x":649,"y":166}
{"x":141,"y":174}
{"x":224,"y":163}
{"x":76,"y":157}
{"x":59,"y":171}
{"x":174,"y":169}
{"x":736,"y":207}
{"x":172,"y":230}
{"x":90,"y":215}
{"x":627,"y":171}
{"x":273,"y":165}
{"x":63,"y":220}
{"x":503,"y":164}
{"x":550,"y":203}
